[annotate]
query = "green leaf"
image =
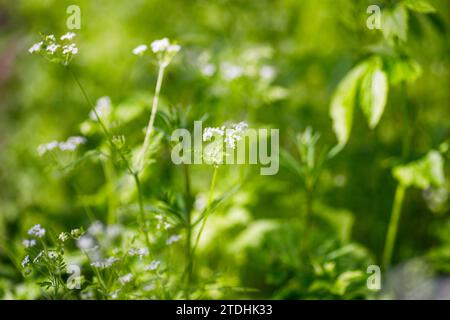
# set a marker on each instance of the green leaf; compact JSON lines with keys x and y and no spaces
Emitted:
{"x":343,"y":103}
{"x":423,"y":173}
{"x":373,"y":93}
{"x":403,"y":70}
{"x":421,"y":6}
{"x":395,"y":23}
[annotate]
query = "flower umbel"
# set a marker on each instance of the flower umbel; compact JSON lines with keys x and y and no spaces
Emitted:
{"x":61,"y":51}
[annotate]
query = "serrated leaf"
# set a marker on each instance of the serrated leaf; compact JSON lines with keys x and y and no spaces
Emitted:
{"x":423,"y":173}
{"x":395,"y":23}
{"x":373,"y":93}
{"x":343,"y":103}
{"x":421,"y":6}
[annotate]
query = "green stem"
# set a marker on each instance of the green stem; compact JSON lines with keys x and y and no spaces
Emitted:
{"x":208,"y":206}
{"x":189,"y":205}
{"x":308,"y":215}
{"x":393,"y":225}
{"x":152,"y":115}
{"x":141,"y":210}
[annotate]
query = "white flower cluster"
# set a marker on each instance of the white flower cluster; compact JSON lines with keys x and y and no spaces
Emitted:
{"x":163,"y":49}
{"x":126,"y":278}
{"x":25,"y":261}
{"x":70,"y":144}
{"x":56,"y":51}
{"x":140,"y":252}
{"x":102,"y":108}
{"x":37,"y":231}
{"x":104,"y":264}
{"x":172,"y":239}
{"x":152,"y":266}
{"x":29,"y":243}
{"x":231,"y":134}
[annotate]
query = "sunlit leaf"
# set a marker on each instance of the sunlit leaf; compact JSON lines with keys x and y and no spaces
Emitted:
{"x":373,"y":93}
{"x":423,"y":173}
{"x":421,"y":6}
{"x":395,"y":23}
{"x":403,"y":70}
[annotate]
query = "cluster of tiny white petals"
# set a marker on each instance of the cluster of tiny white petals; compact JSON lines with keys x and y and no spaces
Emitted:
{"x":140,"y":49}
{"x":172,"y":239}
{"x":36,"y":47}
{"x":126,"y":278}
{"x":37,"y":231}
{"x":52,"y":255}
{"x":63,"y":237}
{"x":209,"y":132}
{"x":140,"y":252}
{"x":152,"y":266}
{"x":102,"y":108}
{"x":234,"y":134}
{"x":28,"y":243}
{"x":70,"y":144}
{"x":163,"y":48}
{"x":68,"y":36}
{"x":104,"y":264}
{"x":160,"y":45}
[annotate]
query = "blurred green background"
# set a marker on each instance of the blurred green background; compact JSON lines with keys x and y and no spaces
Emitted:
{"x":305,"y":48}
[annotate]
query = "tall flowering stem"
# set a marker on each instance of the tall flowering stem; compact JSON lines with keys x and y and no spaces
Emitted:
{"x":152,"y":115}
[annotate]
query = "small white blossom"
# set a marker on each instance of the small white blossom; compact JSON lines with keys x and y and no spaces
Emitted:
{"x":37,"y":231}
{"x":85,"y":242}
{"x":209,"y":132}
{"x":113,"y":231}
{"x":174,"y":48}
{"x":95,"y":228}
{"x":152,"y":266}
{"x":140,"y":49}
{"x":43,"y":148}
{"x":28,"y":243}
{"x":68,"y":36}
{"x":103,"y":264}
{"x":231,"y":71}
{"x":102,"y":108}
{"x":141,"y":252}
{"x":126,"y":278}
{"x":267,"y":72}
{"x":63,"y":237}
{"x":52,"y":48}
{"x":208,"y":69}
{"x":72,"y":49}
{"x":160,"y":45}
{"x":36,"y":47}
{"x":25,"y":261}
{"x":52,"y":255}
{"x":174,"y":238}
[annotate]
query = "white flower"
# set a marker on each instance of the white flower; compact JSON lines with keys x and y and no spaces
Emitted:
{"x":37,"y":231}
{"x":208,"y":69}
{"x":113,"y":231}
{"x":43,"y":148}
{"x":152,"y":266}
{"x":25,"y":261}
{"x":160,"y":45}
{"x":63,"y":236}
{"x":126,"y":278}
{"x":52,"y":48}
{"x":85,"y":242}
{"x":141,"y":252}
{"x":174,"y":238}
{"x":234,"y":134}
{"x":267,"y":72}
{"x":103,"y":264}
{"x":36,"y":47}
{"x":51,"y":38}
{"x":102,"y":107}
{"x":209,"y":132}
{"x":68,"y":36}
{"x":70,"y":49}
{"x":95,"y":228}
{"x":52,"y":255}
{"x":140,"y":49}
{"x":29,"y":243}
{"x":174,"y":48}
{"x":231,"y":71}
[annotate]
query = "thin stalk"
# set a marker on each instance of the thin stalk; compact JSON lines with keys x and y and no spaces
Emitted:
{"x":122,"y":156}
{"x":308,"y":215}
{"x":208,"y":206}
{"x":189,"y":205}
{"x":141,"y":210}
{"x":393,"y":225}
{"x":152,"y":115}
